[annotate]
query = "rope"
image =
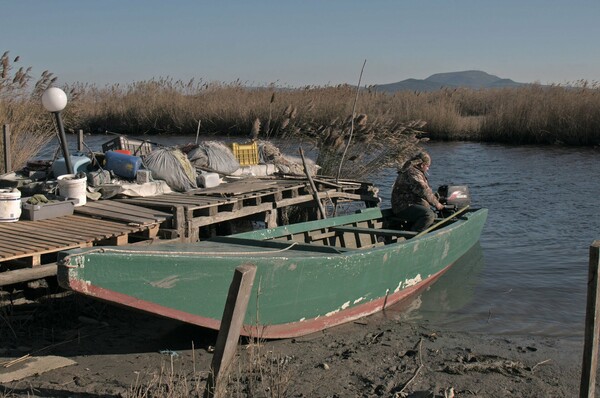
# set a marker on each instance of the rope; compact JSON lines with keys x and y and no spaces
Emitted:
{"x":171,"y":253}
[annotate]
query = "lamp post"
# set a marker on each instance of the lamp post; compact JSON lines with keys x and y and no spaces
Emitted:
{"x":55,"y":100}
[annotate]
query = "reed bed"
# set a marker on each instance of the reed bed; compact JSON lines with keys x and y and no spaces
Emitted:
{"x":20,"y":108}
{"x":532,"y":114}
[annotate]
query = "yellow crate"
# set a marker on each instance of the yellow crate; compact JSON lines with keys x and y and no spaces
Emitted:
{"x":246,"y":154}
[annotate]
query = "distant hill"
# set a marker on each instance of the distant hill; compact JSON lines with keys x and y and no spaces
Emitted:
{"x":475,"y":79}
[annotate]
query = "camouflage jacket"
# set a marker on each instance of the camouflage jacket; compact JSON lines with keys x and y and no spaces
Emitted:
{"x":411,"y":187}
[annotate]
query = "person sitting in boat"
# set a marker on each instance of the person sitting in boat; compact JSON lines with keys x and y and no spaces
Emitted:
{"x":412,"y":197}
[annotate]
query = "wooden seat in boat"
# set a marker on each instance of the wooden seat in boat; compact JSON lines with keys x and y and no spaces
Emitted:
{"x":374,"y":231}
{"x":278,"y":244}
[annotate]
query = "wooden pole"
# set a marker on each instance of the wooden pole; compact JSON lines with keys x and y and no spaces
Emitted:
{"x":27,"y":274}
{"x":337,"y":178}
{"x":7,"y":158}
{"x":231,"y":325}
{"x":80,"y":140}
{"x":312,"y":185}
{"x":445,"y":220}
{"x":592,"y":316}
{"x":271,"y":218}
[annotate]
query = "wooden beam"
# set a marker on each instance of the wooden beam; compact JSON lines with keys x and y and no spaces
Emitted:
{"x":117,"y":240}
{"x":373,"y":231}
{"x":315,"y":192}
{"x":7,"y":157}
{"x":27,"y":274}
{"x":231,"y":325}
{"x":271,"y":218}
{"x":80,"y":147}
{"x":590,"y":349}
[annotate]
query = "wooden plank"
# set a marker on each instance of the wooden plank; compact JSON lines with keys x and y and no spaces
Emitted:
{"x":112,"y":204}
{"x":29,"y":244}
{"x":118,"y":208}
{"x":91,"y":227}
{"x":191,"y":202}
{"x":278,"y":244}
{"x":95,"y":223}
{"x":592,"y":329}
{"x":144,"y":202}
{"x":31,"y":235}
{"x":322,"y":235}
{"x":8,"y":250}
{"x":236,"y":188}
{"x":226,"y":216}
{"x":231,"y":326}
{"x":115,"y":215}
{"x":54,"y":250}
{"x":377,"y":232}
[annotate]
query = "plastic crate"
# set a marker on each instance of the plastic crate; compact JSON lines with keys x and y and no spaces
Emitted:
{"x":246,"y":154}
{"x":136,"y":147}
{"x":58,"y":207}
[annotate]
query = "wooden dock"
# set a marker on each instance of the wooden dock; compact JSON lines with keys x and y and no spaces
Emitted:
{"x":29,"y":249}
{"x":260,"y":198}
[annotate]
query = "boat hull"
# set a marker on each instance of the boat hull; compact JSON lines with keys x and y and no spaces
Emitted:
{"x":294,"y":293}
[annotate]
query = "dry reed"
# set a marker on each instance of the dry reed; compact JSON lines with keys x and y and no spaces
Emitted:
{"x":20,"y":108}
{"x":530,"y":114}
{"x":533,"y":114}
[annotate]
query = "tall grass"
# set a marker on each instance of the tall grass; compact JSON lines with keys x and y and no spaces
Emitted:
{"x":533,"y":114}
{"x":530,"y":114}
{"x":20,"y":108}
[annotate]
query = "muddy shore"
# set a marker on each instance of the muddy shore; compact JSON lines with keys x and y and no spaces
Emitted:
{"x":119,"y":353}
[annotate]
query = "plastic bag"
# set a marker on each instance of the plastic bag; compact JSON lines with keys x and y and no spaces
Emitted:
{"x":172,"y":166}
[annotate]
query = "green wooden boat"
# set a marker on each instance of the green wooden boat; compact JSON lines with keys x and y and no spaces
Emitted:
{"x":310,"y":276}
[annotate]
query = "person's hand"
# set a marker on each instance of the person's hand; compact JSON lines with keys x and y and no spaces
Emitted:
{"x":439,"y":206}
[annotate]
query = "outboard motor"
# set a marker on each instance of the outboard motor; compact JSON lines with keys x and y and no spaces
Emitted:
{"x":454,"y":195}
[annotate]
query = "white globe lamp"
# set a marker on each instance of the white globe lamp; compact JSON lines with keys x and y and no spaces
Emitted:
{"x":55,"y":100}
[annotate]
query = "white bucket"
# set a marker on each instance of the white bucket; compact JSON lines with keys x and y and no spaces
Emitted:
{"x":10,"y":205}
{"x":71,"y":187}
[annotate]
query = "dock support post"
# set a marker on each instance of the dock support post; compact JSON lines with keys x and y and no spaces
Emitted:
{"x":271,"y":218}
{"x":231,"y":325}
{"x":7,"y":157}
{"x":80,"y":140}
{"x":590,"y":349}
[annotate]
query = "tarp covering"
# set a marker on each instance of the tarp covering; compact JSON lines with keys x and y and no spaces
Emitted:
{"x":214,"y":156}
{"x":172,"y":166}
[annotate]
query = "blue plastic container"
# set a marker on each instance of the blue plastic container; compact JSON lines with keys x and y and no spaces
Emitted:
{"x":79,"y":163}
{"x":125,"y":166}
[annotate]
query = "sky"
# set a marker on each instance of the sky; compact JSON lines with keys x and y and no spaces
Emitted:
{"x":299,"y":43}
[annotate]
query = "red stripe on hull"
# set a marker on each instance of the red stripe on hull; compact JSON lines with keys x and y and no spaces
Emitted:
{"x":286,"y":330}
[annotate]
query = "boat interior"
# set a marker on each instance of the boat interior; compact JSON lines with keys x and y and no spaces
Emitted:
{"x":365,"y":233}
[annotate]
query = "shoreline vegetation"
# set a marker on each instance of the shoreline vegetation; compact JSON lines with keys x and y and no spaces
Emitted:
{"x":322,"y":115}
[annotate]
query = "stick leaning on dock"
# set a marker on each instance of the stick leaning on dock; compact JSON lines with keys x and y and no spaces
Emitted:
{"x":312,"y":185}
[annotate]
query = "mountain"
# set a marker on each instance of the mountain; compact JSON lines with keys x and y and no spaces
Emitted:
{"x":475,"y":79}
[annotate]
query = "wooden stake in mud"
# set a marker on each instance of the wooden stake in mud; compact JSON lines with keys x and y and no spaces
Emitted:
{"x":80,"y":140}
{"x":231,"y":325}
{"x":590,"y":349}
{"x":7,"y":160}
{"x":312,"y":185}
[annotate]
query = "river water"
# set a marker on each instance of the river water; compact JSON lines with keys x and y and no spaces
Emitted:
{"x":528,"y":274}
